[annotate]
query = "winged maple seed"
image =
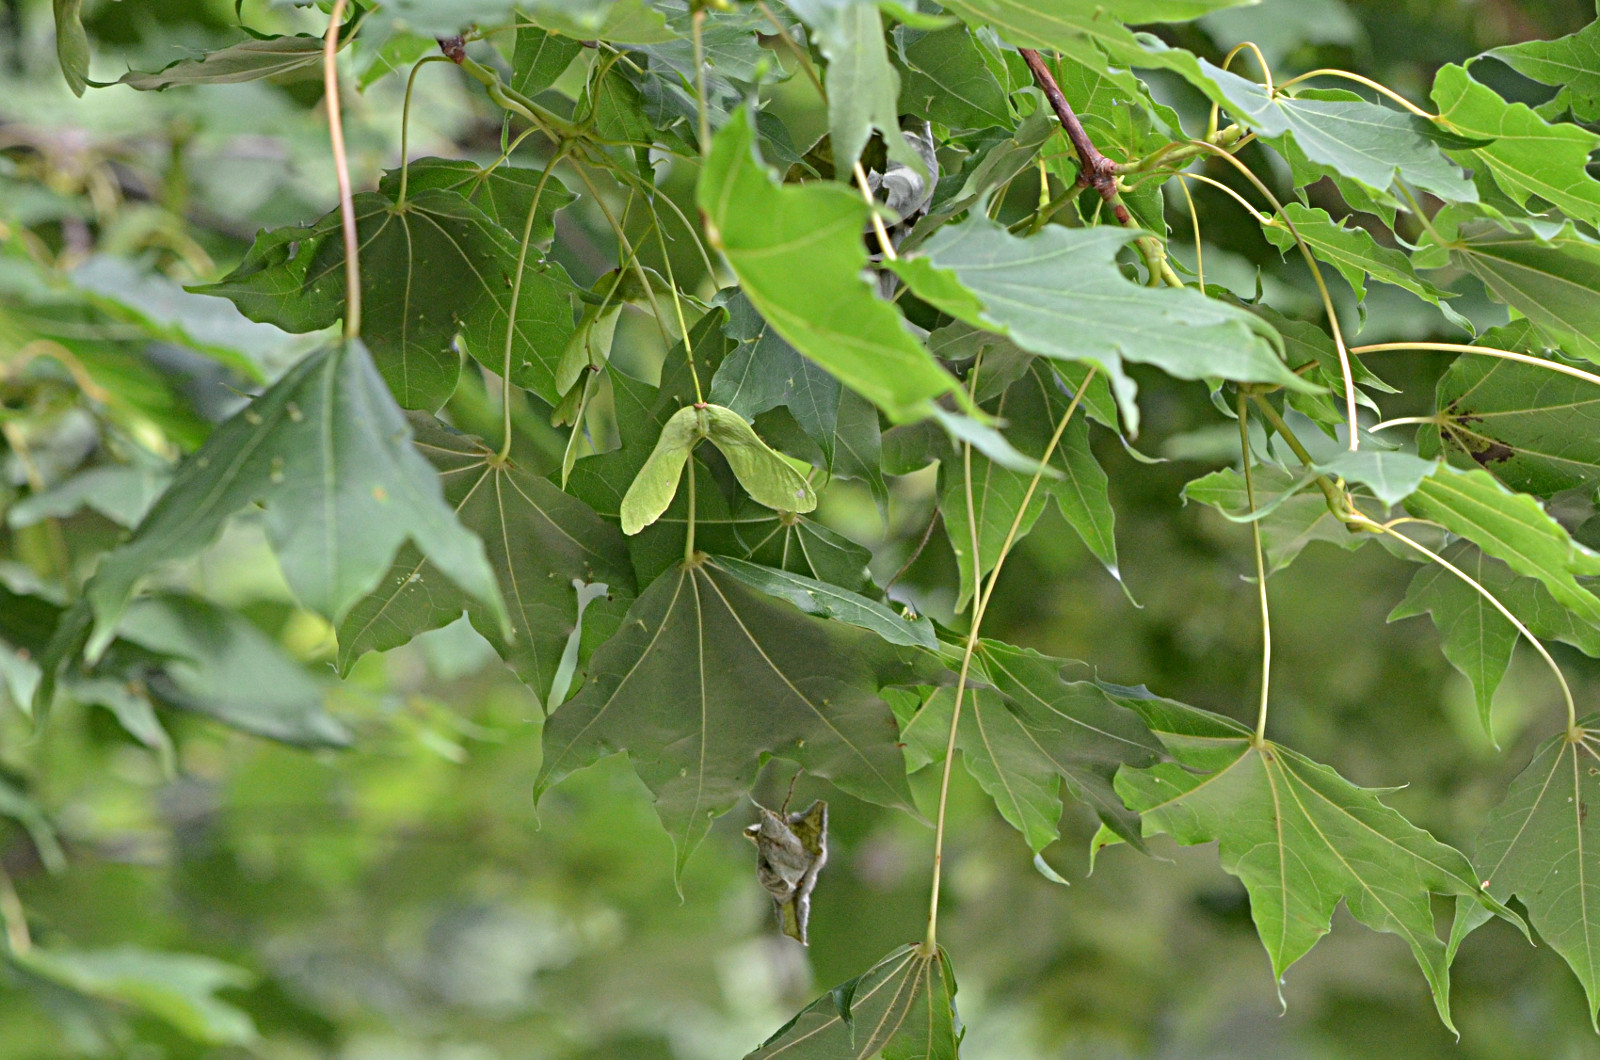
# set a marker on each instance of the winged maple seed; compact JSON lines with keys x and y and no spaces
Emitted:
{"x":792,"y":849}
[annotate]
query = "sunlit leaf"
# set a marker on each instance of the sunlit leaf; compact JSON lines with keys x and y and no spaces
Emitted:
{"x":674,"y":689}
{"x":1299,"y":836}
{"x":798,"y":254}
{"x":179,"y":988}
{"x":902,"y":1008}
{"x":539,"y":542}
{"x":1510,"y":527}
{"x":1528,"y":156}
{"x":1571,"y":63}
{"x":1060,"y":294}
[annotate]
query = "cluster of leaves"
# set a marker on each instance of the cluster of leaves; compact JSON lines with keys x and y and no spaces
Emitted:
{"x":681,"y":602}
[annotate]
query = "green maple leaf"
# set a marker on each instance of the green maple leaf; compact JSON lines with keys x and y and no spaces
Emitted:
{"x":902,"y":1008}
{"x":539,"y":541}
{"x":675,"y":689}
{"x":1300,"y":837}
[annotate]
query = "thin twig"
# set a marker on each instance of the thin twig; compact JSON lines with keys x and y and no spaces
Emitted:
{"x":1095,"y":170}
{"x":1261,"y":567}
{"x":980,"y":605}
{"x":341,"y":165}
{"x":1487,"y":351}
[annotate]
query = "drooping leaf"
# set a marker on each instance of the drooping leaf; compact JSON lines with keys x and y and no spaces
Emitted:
{"x":1551,"y":277}
{"x":179,"y":988}
{"x":539,"y":542}
{"x":674,"y":689}
{"x":248,"y":60}
{"x":431,"y":268}
{"x":1477,"y":638}
{"x":1293,"y":521}
{"x":220,"y":665}
{"x":1535,"y":430}
{"x":1365,"y":141}
{"x":1032,"y":407}
{"x":1352,"y":251}
{"x":798,"y":254}
{"x":902,"y":1008}
{"x":1037,"y":726}
{"x":1527,"y":155}
{"x":1538,"y":846}
{"x":1299,"y":836}
{"x":1060,"y":294}
{"x":72,"y":44}
{"x":328,"y":456}
{"x":1571,"y":63}
{"x":1510,"y":527}
{"x":1391,"y":476}
{"x":863,"y":88}
{"x":827,"y":600}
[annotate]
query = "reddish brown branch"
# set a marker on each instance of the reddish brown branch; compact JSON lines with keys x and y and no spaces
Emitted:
{"x":1095,"y":170}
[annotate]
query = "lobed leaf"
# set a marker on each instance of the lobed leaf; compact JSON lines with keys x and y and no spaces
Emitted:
{"x":1535,"y":430}
{"x":1539,"y":847}
{"x":1300,"y":837}
{"x":902,"y":1008}
{"x":1571,"y":63}
{"x":1528,"y":156}
{"x":674,"y":687}
{"x":1365,"y":141}
{"x":1061,"y":295}
{"x":1510,"y":527}
{"x":1477,"y":638}
{"x":328,"y":456}
{"x":539,"y":542}
{"x":798,"y":254}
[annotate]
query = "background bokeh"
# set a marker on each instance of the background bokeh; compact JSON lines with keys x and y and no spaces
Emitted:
{"x":403,"y":898}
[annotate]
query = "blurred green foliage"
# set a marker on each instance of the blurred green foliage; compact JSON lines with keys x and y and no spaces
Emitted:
{"x":399,"y":898}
